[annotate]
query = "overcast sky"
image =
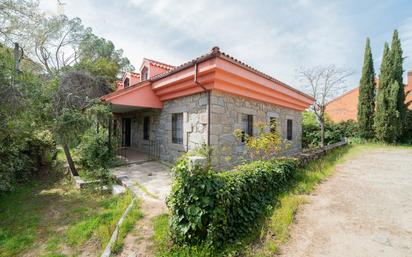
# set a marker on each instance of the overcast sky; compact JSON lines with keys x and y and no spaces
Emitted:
{"x":276,"y":37}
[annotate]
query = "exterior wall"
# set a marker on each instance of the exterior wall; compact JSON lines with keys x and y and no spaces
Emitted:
{"x":344,"y":107}
{"x":226,"y":116}
{"x":194,"y":109}
{"x":137,"y":140}
{"x":226,"y":113}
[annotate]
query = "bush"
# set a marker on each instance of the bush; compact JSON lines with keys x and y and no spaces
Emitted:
{"x":334,"y":132}
{"x":24,"y":155}
{"x":96,"y":155}
{"x":215,"y":209}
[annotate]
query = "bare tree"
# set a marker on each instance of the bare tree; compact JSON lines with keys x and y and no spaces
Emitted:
{"x":323,"y":83}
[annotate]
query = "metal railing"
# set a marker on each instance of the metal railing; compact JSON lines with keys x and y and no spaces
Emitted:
{"x":154,"y":150}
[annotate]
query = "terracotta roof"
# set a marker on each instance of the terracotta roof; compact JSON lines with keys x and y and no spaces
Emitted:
{"x":217,"y":53}
{"x":160,"y":64}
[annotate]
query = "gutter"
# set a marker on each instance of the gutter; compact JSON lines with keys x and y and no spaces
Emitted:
{"x":208,"y":101}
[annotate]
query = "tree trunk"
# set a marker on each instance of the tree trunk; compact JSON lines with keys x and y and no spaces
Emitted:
{"x":322,"y":133}
{"x":70,"y":160}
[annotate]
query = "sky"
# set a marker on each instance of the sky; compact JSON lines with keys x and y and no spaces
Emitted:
{"x":276,"y":37}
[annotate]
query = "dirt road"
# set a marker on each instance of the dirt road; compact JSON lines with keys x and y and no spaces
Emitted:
{"x":364,"y":210}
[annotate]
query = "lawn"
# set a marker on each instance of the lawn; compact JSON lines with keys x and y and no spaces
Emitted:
{"x":50,"y":217}
{"x":274,"y":229}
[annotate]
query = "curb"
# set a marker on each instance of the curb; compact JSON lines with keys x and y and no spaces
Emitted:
{"x":108,"y":250}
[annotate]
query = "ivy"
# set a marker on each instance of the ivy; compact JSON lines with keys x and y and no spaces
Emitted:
{"x":217,"y":209}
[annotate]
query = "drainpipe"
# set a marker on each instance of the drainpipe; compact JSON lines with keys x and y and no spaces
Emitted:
{"x":208,"y":102}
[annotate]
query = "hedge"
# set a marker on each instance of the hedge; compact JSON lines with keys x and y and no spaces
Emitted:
{"x":215,"y":209}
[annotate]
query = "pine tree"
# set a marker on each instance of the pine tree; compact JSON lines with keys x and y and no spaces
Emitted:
{"x":382,"y":114}
{"x":397,"y":75}
{"x":366,"y":101}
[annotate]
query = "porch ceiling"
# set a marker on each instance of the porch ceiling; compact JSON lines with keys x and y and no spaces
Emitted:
{"x":118,"y":108}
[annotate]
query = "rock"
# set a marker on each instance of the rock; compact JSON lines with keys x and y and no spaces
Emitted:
{"x":117,"y":189}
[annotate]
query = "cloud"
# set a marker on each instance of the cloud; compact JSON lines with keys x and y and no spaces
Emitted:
{"x":276,"y":37}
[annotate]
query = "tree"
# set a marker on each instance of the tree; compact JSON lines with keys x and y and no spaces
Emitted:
{"x":387,"y":122}
{"x":100,"y":57}
{"x":366,"y":102}
{"x":323,"y":83}
{"x":77,"y":92}
{"x":397,"y":75}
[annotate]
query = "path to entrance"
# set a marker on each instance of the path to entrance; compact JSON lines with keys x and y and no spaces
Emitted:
{"x":364,"y":210}
{"x":151,"y":181}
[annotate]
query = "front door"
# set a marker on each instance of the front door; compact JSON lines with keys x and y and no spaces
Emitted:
{"x":126,"y":130}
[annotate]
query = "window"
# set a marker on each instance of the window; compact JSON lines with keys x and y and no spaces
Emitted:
{"x":289,"y":129}
{"x":146,"y":127}
{"x":145,"y":74}
{"x":247,"y":123}
{"x":126,"y":82}
{"x":272,"y":125}
{"x":177,"y":128}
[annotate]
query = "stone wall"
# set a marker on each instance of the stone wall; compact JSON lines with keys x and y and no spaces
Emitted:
{"x":226,"y":116}
{"x":194,"y":109}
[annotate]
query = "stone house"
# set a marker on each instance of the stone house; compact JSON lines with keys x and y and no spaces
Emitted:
{"x":164,"y":111}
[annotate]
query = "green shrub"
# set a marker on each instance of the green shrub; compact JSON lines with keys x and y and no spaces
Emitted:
{"x":334,"y":132}
{"x":216,"y":209}
{"x":24,"y":155}
{"x":95,"y":154}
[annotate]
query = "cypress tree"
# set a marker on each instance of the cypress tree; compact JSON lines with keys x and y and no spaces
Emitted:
{"x":382,"y":114}
{"x":397,"y":75}
{"x":366,"y":100}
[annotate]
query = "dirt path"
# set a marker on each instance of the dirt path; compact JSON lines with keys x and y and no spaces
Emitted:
{"x":151,"y":182}
{"x":364,"y":210}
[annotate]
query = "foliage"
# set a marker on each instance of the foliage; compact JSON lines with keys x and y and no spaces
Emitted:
{"x":96,"y":154}
{"x":407,"y":136}
{"x":219,"y":208}
{"x":25,"y":144}
{"x":387,"y":122}
{"x":49,"y":216}
{"x":366,"y":102}
{"x":264,"y":145}
{"x":397,"y":76}
{"x":334,"y":132}
{"x":100,"y":58}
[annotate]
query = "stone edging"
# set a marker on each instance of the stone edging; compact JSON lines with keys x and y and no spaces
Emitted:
{"x":108,"y":250}
{"x":314,"y":154}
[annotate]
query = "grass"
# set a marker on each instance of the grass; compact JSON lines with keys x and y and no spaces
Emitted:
{"x":144,"y":190}
{"x":128,"y":224}
{"x":49,"y":217}
{"x":275,"y":228}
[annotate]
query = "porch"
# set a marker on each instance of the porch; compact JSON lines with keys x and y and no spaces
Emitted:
{"x":132,"y":155}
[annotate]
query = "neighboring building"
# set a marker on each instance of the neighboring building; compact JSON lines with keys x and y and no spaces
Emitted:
{"x":345,"y":107}
{"x":169,"y":110}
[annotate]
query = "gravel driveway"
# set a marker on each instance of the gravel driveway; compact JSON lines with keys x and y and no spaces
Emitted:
{"x":365,"y":209}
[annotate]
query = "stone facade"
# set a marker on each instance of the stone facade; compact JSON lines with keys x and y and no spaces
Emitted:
{"x":225,"y":116}
{"x":194,"y":109}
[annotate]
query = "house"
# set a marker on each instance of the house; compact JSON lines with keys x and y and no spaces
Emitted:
{"x":345,"y":107}
{"x":165,"y":111}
